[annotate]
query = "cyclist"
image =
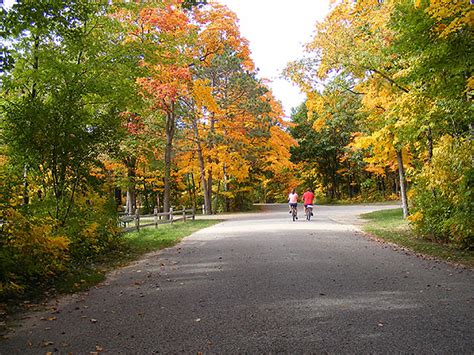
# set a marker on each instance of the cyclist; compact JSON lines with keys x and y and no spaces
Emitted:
{"x":308,"y":198}
{"x":293,"y":200}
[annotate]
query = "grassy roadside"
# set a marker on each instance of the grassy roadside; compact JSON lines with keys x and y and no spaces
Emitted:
{"x":131,"y":246}
{"x":390,"y":226}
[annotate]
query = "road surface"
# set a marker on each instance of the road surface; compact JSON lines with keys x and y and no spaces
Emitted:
{"x":259,"y":283}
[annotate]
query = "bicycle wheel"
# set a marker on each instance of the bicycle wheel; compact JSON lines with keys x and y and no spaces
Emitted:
{"x":293,"y":214}
{"x":308,"y":214}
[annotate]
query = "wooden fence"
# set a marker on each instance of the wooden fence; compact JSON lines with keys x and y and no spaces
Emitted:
{"x":147,"y":220}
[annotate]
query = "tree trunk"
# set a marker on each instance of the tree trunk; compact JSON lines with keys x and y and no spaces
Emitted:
{"x":403,"y":188}
{"x":216,"y":205}
{"x":207,"y":200}
{"x":118,"y":196}
{"x":170,"y":128}
{"x":26,"y":198}
{"x":208,"y":191}
{"x":131,"y":203}
{"x":226,"y":187}
{"x":194,"y":190}
{"x":147,"y":202}
{"x":209,"y":174}
{"x":430,"y":145}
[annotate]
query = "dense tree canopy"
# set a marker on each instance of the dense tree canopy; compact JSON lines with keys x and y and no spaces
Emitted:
{"x":410,"y":64}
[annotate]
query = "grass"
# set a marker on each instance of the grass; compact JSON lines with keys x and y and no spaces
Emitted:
{"x":390,"y":226}
{"x":150,"y":239}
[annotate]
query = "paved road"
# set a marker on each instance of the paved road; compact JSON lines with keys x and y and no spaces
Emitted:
{"x":261,"y":283}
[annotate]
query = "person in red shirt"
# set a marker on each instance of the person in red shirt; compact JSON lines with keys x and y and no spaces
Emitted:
{"x":308,"y":198}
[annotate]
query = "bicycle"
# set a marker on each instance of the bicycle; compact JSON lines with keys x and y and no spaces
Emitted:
{"x":294,"y":213}
{"x":308,"y":211}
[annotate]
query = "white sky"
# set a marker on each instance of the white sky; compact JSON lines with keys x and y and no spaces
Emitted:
{"x":277,"y":31}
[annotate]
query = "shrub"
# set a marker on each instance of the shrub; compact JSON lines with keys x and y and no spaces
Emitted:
{"x":36,"y":250}
{"x":92,"y":228}
{"x":443,"y":197}
{"x":30,"y":252}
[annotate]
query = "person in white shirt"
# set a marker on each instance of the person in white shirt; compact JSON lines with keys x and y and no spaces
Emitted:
{"x":293,"y":200}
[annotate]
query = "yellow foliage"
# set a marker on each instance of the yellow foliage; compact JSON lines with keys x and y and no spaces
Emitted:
{"x":470,"y":86}
{"x":90,"y":230}
{"x":34,"y":240}
{"x":319,"y":124}
{"x":202,"y":93}
{"x":416,"y":217}
{"x":452,"y":16}
{"x":219,"y":29}
{"x":446,"y":168}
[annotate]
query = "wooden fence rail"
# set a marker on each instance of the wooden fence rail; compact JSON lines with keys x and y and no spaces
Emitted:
{"x":155,"y":219}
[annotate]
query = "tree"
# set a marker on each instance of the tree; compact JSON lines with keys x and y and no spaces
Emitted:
{"x":165,"y":35}
{"x":62,"y":97}
{"x":353,"y":40}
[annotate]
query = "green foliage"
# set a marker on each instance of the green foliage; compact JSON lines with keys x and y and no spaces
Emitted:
{"x":62,"y":96}
{"x":188,"y":4}
{"x":326,"y":159}
{"x":443,"y":194}
{"x":435,"y":69}
{"x":92,"y":228}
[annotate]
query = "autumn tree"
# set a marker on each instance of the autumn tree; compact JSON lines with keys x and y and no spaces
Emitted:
{"x":353,"y":40}
{"x":412,"y":66}
{"x":164,"y":33}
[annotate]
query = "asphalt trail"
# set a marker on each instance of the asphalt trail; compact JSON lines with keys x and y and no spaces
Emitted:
{"x":262,"y":283}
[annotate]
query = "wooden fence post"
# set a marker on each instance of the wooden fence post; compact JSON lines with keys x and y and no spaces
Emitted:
{"x":203,"y":209}
{"x":137,"y":219}
{"x":171,"y":214}
{"x":194,"y":213}
{"x":155,"y":217}
{"x":184,"y":214}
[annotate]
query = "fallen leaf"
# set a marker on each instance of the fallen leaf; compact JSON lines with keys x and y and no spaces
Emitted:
{"x":99,"y":348}
{"x":197,"y":320}
{"x":47,"y":343}
{"x":93,"y":320}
